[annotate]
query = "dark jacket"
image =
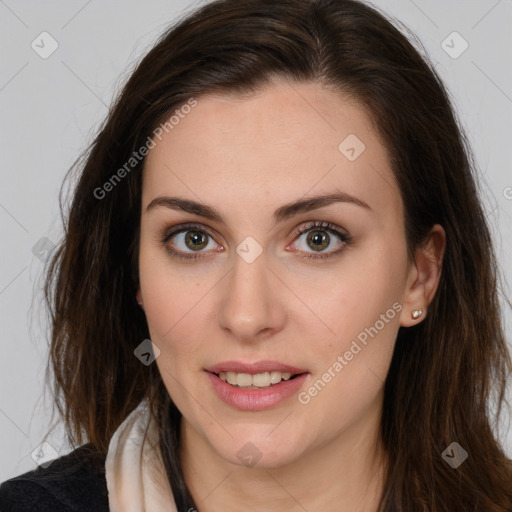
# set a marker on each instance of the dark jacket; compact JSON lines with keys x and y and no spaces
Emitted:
{"x":74,"y":482}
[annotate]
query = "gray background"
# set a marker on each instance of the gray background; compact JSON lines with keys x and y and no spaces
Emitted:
{"x":50,"y":108}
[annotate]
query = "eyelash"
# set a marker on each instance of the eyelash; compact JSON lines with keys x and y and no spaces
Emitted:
{"x":168,"y":233}
{"x":330,"y":228}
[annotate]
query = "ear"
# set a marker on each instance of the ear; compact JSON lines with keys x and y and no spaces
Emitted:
{"x":423,"y":276}
{"x":139,"y":298}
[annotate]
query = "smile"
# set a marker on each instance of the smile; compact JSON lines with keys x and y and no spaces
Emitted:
{"x":259,"y":380}
{"x":255,"y":397}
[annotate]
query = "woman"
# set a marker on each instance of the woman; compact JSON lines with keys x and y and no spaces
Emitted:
{"x":277,"y":288}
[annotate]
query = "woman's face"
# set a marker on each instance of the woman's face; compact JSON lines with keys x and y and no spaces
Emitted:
{"x":241,"y":291}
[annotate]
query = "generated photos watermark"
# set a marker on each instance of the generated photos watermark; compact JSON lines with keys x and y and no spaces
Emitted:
{"x":344,"y":359}
{"x":138,"y":156}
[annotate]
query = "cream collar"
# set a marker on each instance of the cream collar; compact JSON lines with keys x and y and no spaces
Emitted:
{"x":135,"y":472}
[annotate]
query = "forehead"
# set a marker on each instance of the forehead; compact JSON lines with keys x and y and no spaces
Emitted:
{"x":284,"y":142}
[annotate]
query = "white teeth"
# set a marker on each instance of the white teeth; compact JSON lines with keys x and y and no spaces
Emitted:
{"x":243,"y":379}
{"x":260,"y":380}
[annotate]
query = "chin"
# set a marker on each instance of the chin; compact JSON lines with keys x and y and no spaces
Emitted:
{"x":259,"y":450}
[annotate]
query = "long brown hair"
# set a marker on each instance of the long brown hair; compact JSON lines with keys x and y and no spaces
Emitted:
{"x":445,"y":371}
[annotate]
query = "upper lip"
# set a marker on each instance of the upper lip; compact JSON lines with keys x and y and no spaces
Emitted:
{"x":253,"y":368}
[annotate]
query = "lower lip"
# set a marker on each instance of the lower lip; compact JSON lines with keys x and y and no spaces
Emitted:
{"x":255,"y":399}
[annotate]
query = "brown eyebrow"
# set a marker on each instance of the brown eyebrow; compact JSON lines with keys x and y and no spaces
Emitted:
{"x":282,"y":213}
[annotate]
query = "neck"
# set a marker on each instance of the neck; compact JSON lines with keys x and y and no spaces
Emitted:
{"x":345,"y":473}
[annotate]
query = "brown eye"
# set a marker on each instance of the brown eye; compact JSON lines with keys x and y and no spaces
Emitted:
{"x":189,"y":241}
{"x":318,"y":240}
{"x":196,"y":240}
{"x":320,"y":237}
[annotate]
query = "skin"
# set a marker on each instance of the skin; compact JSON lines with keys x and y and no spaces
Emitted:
{"x":246,"y":157}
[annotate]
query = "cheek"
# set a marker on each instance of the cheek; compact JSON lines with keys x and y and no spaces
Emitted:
{"x":352,"y":367}
{"x":171,"y":294}
{"x":360,"y":312}
{"x":353,"y":297}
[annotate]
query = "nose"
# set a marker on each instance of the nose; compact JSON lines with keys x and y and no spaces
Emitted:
{"x":251,"y":307}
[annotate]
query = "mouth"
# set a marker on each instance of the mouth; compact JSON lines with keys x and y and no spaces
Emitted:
{"x":261,"y":380}
{"x":257,"y":375}
{"x":256,"y":387}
